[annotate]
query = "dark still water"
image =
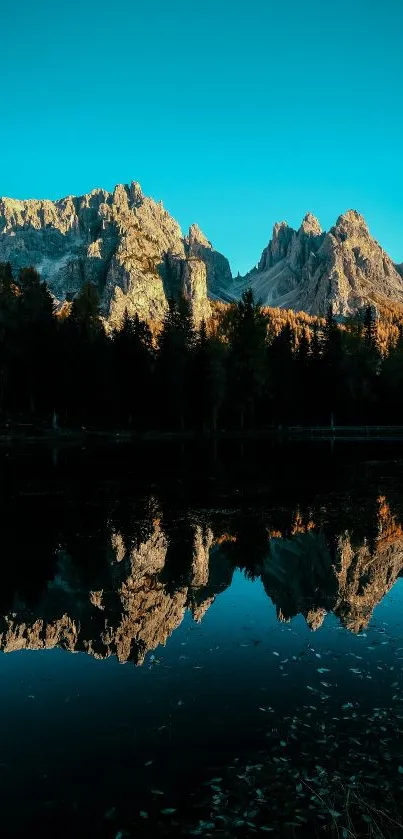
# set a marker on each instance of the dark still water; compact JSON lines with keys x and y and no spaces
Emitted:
{"x":201,"y":643}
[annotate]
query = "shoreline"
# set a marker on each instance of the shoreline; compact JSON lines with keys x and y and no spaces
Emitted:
{"x":27,"y":433}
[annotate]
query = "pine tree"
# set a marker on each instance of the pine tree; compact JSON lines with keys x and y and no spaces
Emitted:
{"x":247,"y":358}
{"x":37,"y":335}
{"x":85,"y":360}
{"x":333,"y":382}
{"x":282,"y":367}
{"x":175,"y":344}
{"x":207,"y":380}
{"x":9,"y":340}
{"x":133,"y":358}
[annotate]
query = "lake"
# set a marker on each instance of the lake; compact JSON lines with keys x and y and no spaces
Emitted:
{"x":201,"y":642}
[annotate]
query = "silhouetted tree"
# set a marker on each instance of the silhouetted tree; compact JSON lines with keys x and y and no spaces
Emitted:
{"x":282,"y":367}
{"x":132,"y":372}
{"x":37,"y":334}
{"x":247,"y":358}
{"x":207,"y":380}
{"x":175,"y":344}
{"x":85,"y":359}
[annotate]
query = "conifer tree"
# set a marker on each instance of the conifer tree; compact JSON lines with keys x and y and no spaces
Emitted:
{"x":247,"y":358}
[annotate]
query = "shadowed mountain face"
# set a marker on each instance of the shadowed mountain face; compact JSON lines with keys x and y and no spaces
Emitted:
{"x":125,"y":587}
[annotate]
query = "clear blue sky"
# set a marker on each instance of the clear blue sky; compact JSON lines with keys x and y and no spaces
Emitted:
{"x":235,"y":114}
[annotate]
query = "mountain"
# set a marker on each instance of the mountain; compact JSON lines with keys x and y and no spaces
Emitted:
{"x":135,"y":252}
{"x":124,"y":242}
{"x":309,"y":270}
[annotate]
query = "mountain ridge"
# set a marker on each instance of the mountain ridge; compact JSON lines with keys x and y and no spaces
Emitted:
{"x":310,"y":269}
{"x":136,"y":254}
{"x":121,"y":240}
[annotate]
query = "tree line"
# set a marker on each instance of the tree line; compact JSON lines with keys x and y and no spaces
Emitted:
{"x":234,"y":373}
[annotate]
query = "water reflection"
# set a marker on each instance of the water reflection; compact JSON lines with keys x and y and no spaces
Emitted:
{"x":110,"y":560}
{"x":117,"y":579}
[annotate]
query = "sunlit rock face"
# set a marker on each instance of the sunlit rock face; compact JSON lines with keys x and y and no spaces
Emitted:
{"x":305,"y":574}
{"x":136,"y":254}
{"x":135,"y":611}
{"x":118,"y":240}
{"x":310,"y":270}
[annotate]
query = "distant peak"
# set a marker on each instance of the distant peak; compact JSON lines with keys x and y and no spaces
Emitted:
{"x":197,"y":235}
{"x":352,"y":219}
{"x":311,"y":225}
{"x":279,"y":227}
{"x":135,"y":189}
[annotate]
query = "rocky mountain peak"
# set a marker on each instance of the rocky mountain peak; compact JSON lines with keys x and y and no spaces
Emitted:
{"x":197,"y":237}
{"x":351,"y":223}
{"x":119,"y":240}
{"x":310,"y":225}
{"x":310,"y":270}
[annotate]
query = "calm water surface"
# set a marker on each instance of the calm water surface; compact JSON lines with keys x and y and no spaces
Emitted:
{"x":158,"y":629}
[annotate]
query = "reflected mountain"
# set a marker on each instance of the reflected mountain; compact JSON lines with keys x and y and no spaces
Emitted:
{"x":121,"y":585}
{"x":308,"y":574}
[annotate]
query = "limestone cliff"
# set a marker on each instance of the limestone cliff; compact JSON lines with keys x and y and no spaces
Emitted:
{"x":119,"y":240}
{"x":135,"y":252}
{"x":310,"y":270}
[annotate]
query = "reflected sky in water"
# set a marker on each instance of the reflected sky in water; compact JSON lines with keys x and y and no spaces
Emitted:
{"x":99,"y":717}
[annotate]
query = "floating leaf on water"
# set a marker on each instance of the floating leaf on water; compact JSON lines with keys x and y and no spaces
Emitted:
{"x":274,"y":653}
{"x":148,"y":762}
{"x":157,"y":792}
{"x":168,"y":811}
{"x":323,"y":670}
{"x":143,"y":814}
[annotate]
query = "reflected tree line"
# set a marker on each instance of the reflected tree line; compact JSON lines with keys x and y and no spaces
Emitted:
{"x":233,"y":373}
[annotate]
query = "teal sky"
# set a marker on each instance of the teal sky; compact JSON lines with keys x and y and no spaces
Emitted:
{"x":235,"y":114}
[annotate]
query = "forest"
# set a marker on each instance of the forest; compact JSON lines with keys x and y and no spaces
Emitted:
{"x":248,"y":368}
